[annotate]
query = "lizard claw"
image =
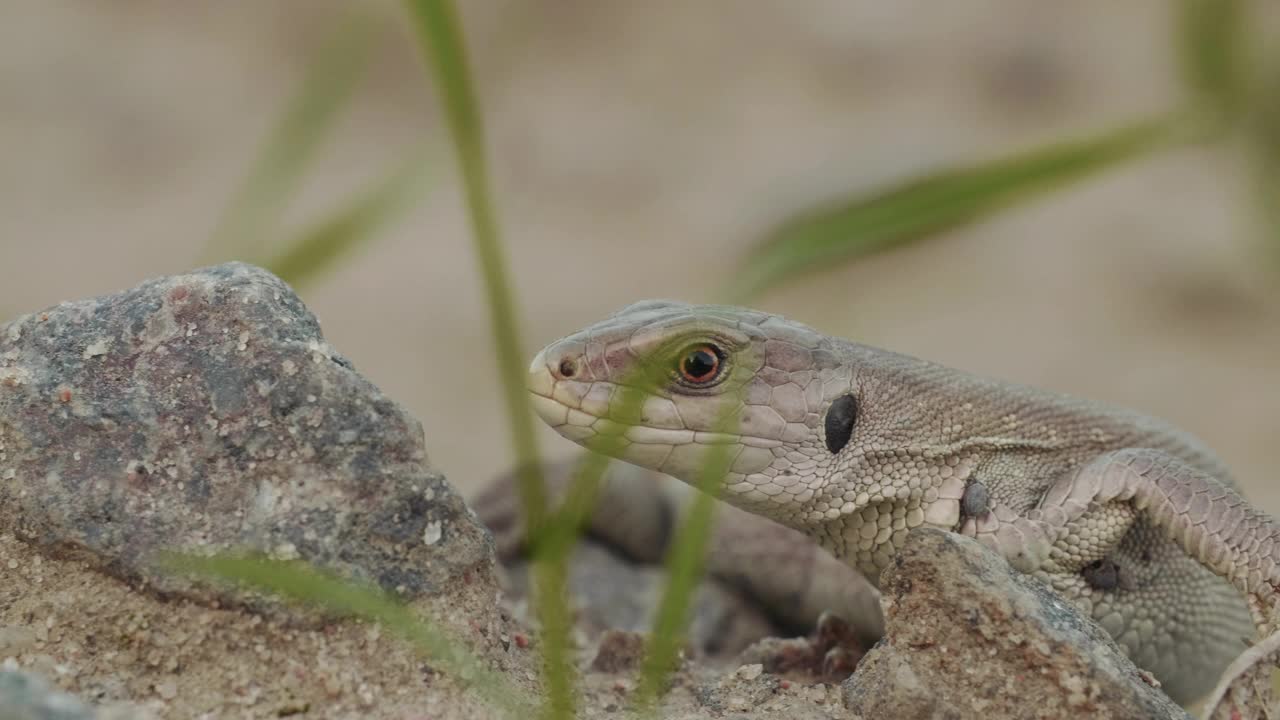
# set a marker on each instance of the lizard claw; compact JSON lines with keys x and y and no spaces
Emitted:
{"x":839,"y":663}
{"x":830,"y":653}
{"x":835,"y":639}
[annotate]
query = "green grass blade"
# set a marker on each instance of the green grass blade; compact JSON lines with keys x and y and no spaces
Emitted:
{"x":1212,"y":51}
{"x":1269,"y":202}
{"x":552,"y":543}
{"x":555,"y":539}
{"x":437,"y":25}
{"x":318,"y":248}
{"x":935,"y":203}
{"x":1264,"y":155}
{"x":299,"y":582}
{"x":685,"y":564}
{"x":288,"y":150}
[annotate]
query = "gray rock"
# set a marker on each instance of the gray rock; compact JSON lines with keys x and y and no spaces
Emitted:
{"x":746,"y":688}
{"x":24,"y":696}
{"x":968,"y":637}
{"x":206,"y":412}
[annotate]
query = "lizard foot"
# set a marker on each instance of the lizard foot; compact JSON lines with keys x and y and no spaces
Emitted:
{"x":829,"y":654}
{"x":839,"y":645}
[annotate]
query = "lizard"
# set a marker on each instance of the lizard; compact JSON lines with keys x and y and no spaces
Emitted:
{"x":1135,"y":521}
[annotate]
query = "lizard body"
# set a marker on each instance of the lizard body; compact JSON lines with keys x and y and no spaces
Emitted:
{"x":1130,"y":518}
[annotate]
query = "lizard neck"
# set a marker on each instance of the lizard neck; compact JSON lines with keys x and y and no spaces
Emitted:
{"x":871,"y":530}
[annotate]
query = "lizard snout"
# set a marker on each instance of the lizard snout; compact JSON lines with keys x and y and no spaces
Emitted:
{"x":556,"y":384}
{"x":555,"y":363}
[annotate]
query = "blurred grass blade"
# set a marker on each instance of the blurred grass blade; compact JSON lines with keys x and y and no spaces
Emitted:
{"x":1269,"y":201}
{"x":329,"y":83}
{"x":316,"y":249}
{"x":300,"y":582}
{"x":437,"y":24}
{"x":1264,"y":142}
{"x":933,"y":204}
{"x":551,"y":546}
{"x":1212,"y":50}
{"x":685,"y":565}
{"x":557,"y":536}
{"x":440,"y":36}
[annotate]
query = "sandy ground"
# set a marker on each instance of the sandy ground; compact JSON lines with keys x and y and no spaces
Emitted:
{"x":638,"y":149}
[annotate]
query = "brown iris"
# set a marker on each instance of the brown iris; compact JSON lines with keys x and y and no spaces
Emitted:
{"x":700,"y":364}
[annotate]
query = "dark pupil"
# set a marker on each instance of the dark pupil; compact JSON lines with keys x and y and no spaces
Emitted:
{"x":699,"y":364}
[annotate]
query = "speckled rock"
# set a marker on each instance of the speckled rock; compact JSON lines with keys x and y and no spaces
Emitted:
{"x":206,"y":412}
{"x":967,"y":637}
{"x":24,"y":696}
{"x":749,"y":692}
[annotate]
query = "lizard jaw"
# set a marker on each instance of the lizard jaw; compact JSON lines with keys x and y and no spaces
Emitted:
{"x":581,"y":411}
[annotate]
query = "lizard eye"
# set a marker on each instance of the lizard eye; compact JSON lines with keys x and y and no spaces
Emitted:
{"x":700,"y":364}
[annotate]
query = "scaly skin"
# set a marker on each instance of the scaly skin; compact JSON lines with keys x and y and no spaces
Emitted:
{"x":1133,"y":520}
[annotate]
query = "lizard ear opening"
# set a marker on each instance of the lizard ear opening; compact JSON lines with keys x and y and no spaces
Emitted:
{"x":841,"y":416}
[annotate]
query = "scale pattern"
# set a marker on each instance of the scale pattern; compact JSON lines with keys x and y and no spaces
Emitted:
{"x":1065,"y":482}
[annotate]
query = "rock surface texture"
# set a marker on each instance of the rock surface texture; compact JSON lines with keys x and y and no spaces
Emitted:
{"x":206,"y":412}
{"x":967,"y":637}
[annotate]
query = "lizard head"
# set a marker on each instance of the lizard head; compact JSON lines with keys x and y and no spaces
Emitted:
{"x":657,"y":383}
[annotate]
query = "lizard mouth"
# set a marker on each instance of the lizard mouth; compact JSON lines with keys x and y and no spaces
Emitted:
{"x":579,"y":423}
{"x":580,"y":409}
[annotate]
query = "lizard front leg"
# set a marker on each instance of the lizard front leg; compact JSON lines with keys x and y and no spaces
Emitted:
{"x":1100,"y":510}
{"x":1078,"y":518}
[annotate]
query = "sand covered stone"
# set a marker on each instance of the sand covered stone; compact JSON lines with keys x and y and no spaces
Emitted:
{"x":206,"y":412}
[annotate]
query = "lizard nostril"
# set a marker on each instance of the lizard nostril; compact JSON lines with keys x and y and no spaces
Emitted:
{"x":568,"y":368}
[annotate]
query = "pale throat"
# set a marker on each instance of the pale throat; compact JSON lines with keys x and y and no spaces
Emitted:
{"x":864,"y":521}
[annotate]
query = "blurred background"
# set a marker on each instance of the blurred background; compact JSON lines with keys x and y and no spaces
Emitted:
{"x":638,"y":150}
